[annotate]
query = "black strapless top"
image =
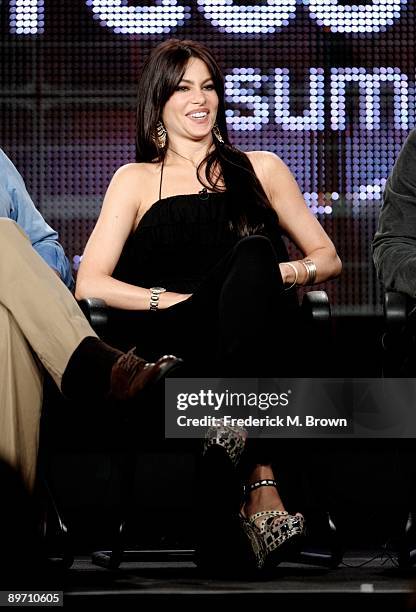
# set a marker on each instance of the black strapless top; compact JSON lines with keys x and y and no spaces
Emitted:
{"x":180,"y":239}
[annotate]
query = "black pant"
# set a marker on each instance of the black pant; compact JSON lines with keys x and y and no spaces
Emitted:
{"x":239,"y":321}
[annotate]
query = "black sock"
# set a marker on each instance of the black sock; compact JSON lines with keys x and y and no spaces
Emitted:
{"x":88,"y":372}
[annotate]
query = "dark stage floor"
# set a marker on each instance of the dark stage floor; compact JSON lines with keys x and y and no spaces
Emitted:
{"x":364,"y":581}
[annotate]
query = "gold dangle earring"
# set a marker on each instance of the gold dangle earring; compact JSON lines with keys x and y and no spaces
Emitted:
{"x":217,"y":133}
{"x":160,"y":136}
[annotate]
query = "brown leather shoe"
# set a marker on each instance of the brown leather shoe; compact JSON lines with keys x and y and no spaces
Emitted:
{"x":131,"y":374}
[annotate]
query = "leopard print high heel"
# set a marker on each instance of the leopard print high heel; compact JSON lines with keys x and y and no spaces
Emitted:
{"x":231,"y":439}
{"x":271,"y":533}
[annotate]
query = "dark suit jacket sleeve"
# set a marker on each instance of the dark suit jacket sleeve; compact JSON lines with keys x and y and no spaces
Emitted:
{"x":394,"y":244}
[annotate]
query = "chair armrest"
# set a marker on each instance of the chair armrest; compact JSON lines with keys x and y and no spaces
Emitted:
{"x":396,"y":308}
{"x":316,"y":307}
{"x":397,"y":341}
{"x":316,"y":331}
{"x":96,"y":311}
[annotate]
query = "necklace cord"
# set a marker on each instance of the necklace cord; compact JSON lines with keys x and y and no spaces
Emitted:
{"x":204,"y":189}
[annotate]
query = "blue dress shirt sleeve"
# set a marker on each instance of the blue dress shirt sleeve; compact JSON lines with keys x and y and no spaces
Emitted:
{"x":16,"y":204}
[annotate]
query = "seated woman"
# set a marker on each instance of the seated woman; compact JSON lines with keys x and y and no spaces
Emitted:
{"x":189,"y":246}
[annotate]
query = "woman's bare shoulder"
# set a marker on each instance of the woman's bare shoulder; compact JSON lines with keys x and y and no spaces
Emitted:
{"x":137,"y":171}
{"x":265,"y":159}
{"x":269,"y":168}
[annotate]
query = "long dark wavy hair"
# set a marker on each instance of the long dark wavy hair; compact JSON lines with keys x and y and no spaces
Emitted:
{"x":160,"y":76}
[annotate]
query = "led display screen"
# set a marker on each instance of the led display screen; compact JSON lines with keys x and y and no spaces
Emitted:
{"x":326,"y":84}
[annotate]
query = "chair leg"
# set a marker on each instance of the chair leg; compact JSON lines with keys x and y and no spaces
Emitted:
{"x":406,"y":553}
{"x":53,"y":517}
{"x":111,"y":559}
{"x":329,"y":550}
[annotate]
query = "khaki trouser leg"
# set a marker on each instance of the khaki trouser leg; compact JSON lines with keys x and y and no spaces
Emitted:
{"x":20,"y":399}
{"x":44,"y":309}
{"x":37,"y":313}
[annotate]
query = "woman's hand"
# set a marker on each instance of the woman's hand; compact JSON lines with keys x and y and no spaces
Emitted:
{"x":169,"y":298}
{"x":293,"y":272}
{"x":288,"y":273}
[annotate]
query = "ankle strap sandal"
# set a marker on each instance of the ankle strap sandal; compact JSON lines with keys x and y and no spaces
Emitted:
{"x":266,"y":482}
{"x":271,"y":533}
{"x":231,"y":439}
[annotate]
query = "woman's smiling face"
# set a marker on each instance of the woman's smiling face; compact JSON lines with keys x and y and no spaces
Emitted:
{"x":191,"y":110}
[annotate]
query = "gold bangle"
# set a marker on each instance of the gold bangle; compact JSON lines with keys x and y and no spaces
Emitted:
{"x":310,"y":271}
{"x":287,"y":263}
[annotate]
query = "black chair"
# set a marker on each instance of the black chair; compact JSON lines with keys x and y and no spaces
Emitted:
{"x":399,"y":361}
{"x":52,"y":527}
{"x":325,"y":549}
{"x":399,"y":335}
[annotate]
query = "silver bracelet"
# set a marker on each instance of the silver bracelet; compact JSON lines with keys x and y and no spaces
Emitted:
{"x":310,"y":270}
{"x":154,"y":297}
{"x":294,"y":268}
